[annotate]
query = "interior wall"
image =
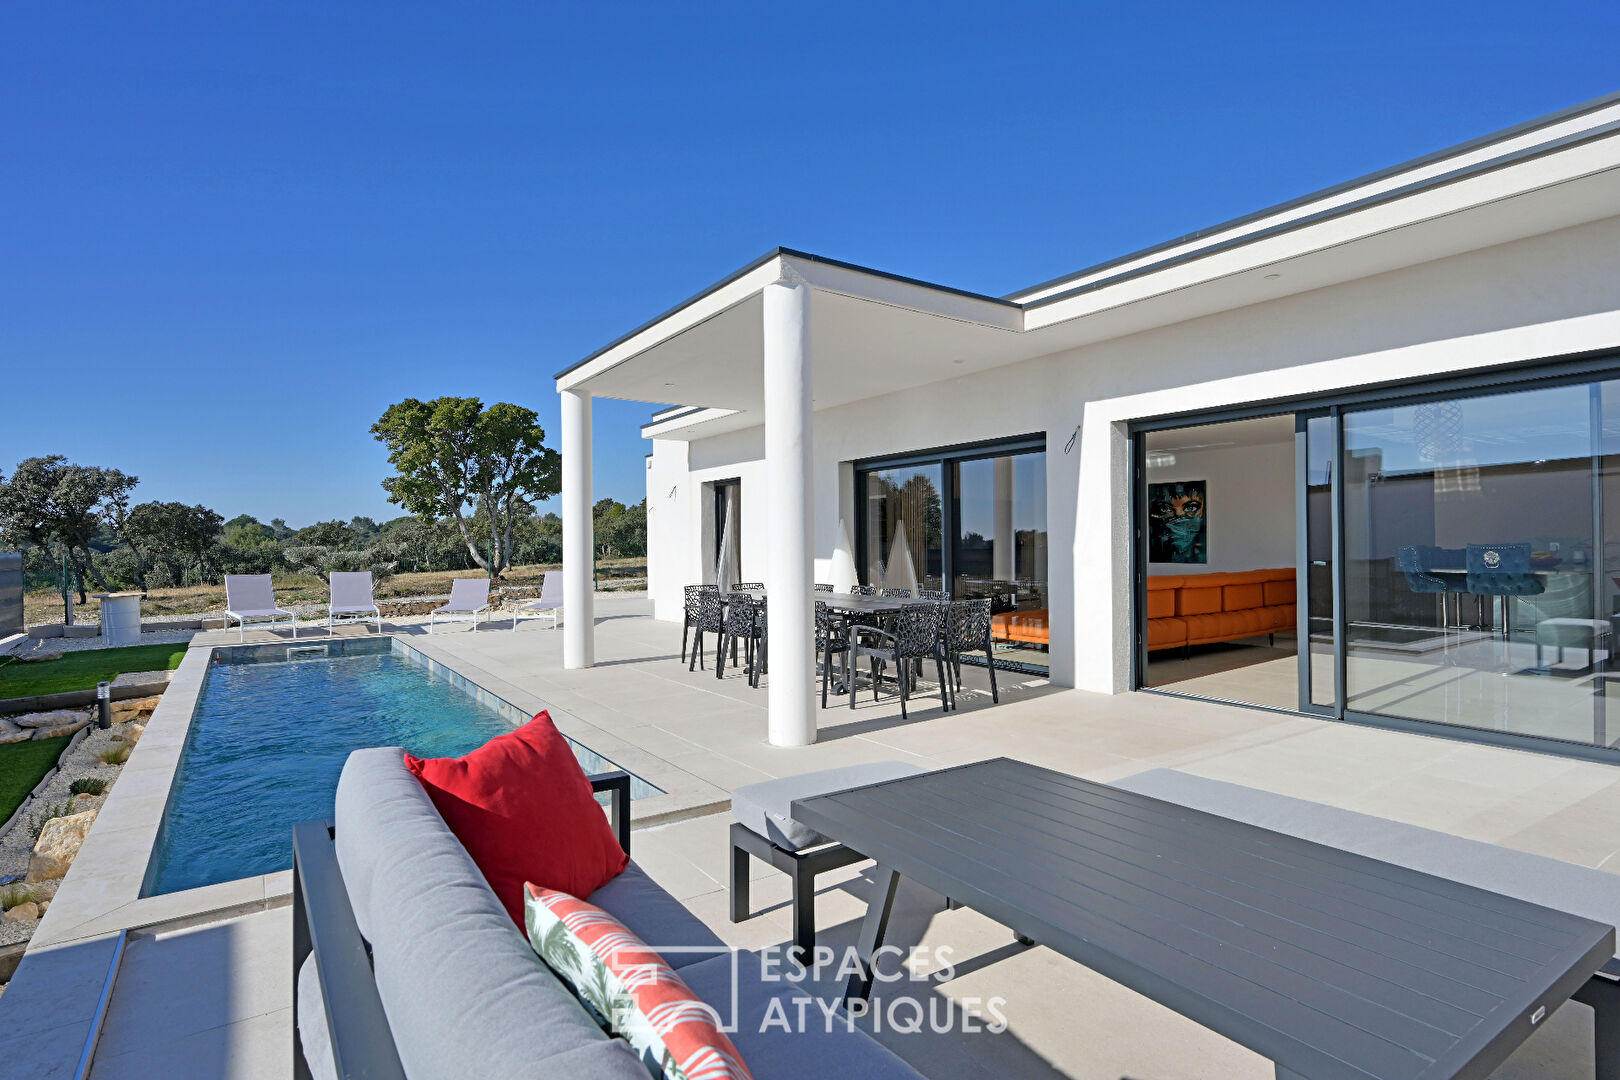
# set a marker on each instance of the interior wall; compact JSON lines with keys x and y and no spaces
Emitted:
{"x":1249,"y":503}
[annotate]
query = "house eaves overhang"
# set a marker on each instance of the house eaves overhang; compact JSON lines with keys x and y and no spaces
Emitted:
{"x":1549,"y":173}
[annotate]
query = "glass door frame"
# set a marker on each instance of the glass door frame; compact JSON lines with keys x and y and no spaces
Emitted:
{"x":1302,"y":559}
{"x":1596,"y":366}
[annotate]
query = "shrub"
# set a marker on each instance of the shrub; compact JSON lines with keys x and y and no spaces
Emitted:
{"x":37,"y":820}
{"x":88,"y":785}
{"x":114,"y":755}
{"x":12,"y":895}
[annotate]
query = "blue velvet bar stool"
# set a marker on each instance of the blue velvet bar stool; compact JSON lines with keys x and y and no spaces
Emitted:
{"x":1502,"y":570}
{"x":1415,"y":562}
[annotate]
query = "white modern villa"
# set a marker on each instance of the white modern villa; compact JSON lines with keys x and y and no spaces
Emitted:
{"x":1354,"y":456}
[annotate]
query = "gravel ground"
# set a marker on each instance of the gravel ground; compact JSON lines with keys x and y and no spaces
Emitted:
{"x":18,"y":844}
{"x":51,"y":646}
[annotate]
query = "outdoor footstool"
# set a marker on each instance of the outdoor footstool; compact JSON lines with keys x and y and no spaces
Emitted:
{"x":766,"y":830}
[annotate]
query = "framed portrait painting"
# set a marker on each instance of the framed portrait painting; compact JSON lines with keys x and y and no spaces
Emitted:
{"x":1177,"y":516}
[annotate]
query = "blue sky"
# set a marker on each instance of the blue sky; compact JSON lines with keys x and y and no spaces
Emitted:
{"x":244,"y":230}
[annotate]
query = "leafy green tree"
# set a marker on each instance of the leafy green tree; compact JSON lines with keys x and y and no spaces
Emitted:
{"x":249,"y":548}
{"x":54,"y":504}
{"x":176,"y":537}
{"x":452,"y":454}
{"x":331,"y":534}
{"x":620,"y":530}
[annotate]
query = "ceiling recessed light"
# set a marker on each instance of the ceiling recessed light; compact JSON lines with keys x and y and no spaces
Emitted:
{"x":1273,"y":277}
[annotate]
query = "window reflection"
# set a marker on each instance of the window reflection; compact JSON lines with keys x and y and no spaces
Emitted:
{"x":1475,"y":590}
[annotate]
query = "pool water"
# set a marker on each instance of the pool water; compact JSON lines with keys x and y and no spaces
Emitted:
{"x":266,"y":745}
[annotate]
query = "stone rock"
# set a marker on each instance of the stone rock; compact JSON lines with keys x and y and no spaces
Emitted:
{"x":23,"y":912}
{"x":133,"y":732}
{"x":58,"y":843}
{"x":126,"y":710}
{"x":10,"y":733}
{"x":44,"y":906}
{"x":81,"y":801}
{"x":54,"y":718}
{"x":64,"y":729}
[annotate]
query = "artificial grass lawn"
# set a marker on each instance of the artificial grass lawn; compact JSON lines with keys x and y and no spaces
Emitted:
{"x":82,"y":670}
{"x":24,"y":764}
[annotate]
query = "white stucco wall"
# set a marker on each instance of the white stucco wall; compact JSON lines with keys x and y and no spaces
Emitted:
{"x":1249,"y":512}
{"x":1547,"y":296}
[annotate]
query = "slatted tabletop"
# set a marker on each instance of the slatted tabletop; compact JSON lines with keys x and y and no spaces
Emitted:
{"x":1331,"y":964}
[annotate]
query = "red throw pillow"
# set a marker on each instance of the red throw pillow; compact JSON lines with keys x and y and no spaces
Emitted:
{"x":522,"y":807}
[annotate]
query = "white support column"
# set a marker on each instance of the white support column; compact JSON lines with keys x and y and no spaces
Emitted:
{"x":579,"y":542}
{"x":1004,"y":544}
{"x":789,"y":570}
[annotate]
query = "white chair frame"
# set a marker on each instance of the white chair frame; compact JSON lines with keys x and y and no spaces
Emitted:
{"x":349,"y":613}
{"x":553,"y":602}
{"x":461,"y":614}
{"x":270,"y":612}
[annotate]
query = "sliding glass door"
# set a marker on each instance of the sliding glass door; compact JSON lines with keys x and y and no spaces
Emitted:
{"x":1456,"y":554}
{"x":1478,"y":588}
{"x":970,"y":521}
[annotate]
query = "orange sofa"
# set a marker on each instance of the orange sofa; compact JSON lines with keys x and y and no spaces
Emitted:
{"x":1028,"y":627}
{"x":1198,"y":609}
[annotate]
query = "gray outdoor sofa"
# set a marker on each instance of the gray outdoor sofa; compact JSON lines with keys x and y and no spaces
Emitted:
{"x":406,"y":964}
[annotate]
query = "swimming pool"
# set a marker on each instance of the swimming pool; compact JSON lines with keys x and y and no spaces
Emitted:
{"x":269,"y":736}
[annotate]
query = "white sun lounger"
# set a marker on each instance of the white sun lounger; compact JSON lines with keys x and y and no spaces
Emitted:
{"x":252,"y":596}
{"x":352,"y":600}
{"x":549,"y":605}
{"x":468,"y":596}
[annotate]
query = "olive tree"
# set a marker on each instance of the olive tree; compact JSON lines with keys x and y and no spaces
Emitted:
{"x":56,"y":505}
{"x":452,"y":455}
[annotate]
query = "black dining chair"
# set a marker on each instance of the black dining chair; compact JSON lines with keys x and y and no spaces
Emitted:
{"x":897,"y":594}
{"x":693,"y":609}
{"x":967,"y":630}
{"x":863,"y":590}
{"x":745,"y":622}
{"x":933,"y":594}
{"x":832,"y":639}
{"x":711,"y":619}
{"x":913,"y":635}
{"x":749,"y":586}
{"x":819,"y":587}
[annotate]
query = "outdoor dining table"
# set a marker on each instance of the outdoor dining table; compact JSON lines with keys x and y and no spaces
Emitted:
{"x":1333,"y":965}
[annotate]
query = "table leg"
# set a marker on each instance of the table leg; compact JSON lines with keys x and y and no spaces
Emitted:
{"x":872,"y":930}
{"x":1603,"y":996}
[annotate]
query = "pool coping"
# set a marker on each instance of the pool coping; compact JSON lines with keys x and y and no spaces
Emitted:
{"x":101,"y":893}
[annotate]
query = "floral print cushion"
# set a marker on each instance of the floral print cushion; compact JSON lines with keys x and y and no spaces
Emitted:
{"x":629,"y":988}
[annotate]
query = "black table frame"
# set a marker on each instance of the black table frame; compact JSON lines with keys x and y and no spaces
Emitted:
{"x":1321,"y":988}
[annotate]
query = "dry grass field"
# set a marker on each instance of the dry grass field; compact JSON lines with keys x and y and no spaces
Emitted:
{"x":46,"y":607}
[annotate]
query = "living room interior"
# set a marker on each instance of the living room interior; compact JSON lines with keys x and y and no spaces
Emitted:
{"x":1220,"y":556}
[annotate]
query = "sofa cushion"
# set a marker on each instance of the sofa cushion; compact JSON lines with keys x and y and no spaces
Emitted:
{"x":1163,"y":633}
{"x":811,"y":1052}
{"x":457,"y":980}
{"x":515,"y":788}
{"x":631,"y":989}
{"x":1192,"y":600}
{"x":766,"y":807}
{"x":656,"y":917}
{"x":1280,"y":592}
{"x":1239,"y":597}
{"x":1161,"y":603}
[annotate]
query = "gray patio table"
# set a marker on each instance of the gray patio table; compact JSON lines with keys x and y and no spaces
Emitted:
{"x":1333,"y":965}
